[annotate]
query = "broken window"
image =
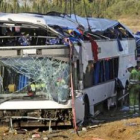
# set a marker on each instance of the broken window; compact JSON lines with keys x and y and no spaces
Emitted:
{"x":116,"y":32}
{"x":20,"y":34}
{"x":49,"y":76}
{"x":32,"y":74}
{"x":101,"y":71}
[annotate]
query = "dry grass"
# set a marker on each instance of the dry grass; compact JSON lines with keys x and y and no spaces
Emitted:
{"x":119,"y":130}
{"x":132,"y":22}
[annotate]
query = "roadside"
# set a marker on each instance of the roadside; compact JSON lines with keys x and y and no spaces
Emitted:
{"x":119,"y":130}
{"x":112,"y":125}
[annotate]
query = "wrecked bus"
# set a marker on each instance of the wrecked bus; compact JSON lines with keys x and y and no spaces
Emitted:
{"x":46,"y":70}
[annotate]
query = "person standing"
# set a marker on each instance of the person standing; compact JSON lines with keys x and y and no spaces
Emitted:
{"x":133,"y":89}
{"x":138,"y":69}
{"x":89,"y":75}
{"x":31,"y":89}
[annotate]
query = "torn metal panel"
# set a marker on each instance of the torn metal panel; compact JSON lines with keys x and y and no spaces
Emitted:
{"x":96,"y":24}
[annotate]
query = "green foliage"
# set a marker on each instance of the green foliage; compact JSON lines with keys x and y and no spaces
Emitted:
{"x":95,"y":8}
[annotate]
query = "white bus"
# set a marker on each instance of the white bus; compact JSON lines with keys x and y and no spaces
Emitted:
{"x":40,"y":70}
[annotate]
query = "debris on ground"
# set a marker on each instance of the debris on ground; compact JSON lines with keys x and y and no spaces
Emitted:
{"x":123,"y":129}
{"x":50,"y":136}
{"x":21,"y":131}
{"x":94,"y":126}
{"x":37,"y":135}
{"x":84,"y":129}
{"x":125,"y":108}
{"x":97,"y":139}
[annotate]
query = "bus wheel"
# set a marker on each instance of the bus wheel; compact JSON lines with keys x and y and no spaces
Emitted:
{"x":126,"y":99}
{"x":120,"y":101}
{"x":86,"y":102}
{"x":123,"y":98}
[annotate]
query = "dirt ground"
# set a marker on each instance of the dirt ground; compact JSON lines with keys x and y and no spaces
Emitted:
{"x":126,"y":129}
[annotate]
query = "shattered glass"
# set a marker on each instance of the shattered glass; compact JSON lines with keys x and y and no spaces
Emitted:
{"x":50,"y":76}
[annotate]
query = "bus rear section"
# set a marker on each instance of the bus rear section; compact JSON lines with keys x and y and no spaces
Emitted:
{"x":34,"y":74}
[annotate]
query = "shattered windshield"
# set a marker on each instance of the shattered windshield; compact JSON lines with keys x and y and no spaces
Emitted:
{"x":31,"y":72}
{"x":34,"y":76}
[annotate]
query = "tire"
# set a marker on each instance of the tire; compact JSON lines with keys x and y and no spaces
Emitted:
{"x":87,"y":112}
{"x":126,"y":101}
{"x":119,"y":95}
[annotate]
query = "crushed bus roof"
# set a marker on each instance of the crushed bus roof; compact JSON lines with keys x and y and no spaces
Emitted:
{"x":9,"y":17}
{"x":57,"y":20}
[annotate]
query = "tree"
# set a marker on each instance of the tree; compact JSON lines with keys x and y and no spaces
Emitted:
{"x":15,"y":6}
{"x":1,"y":1}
